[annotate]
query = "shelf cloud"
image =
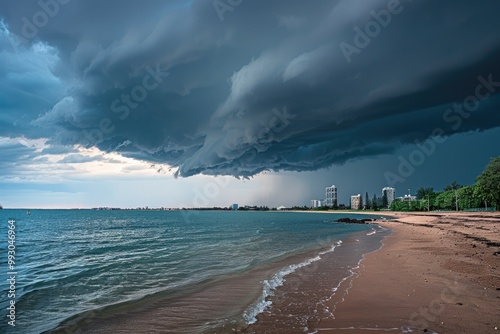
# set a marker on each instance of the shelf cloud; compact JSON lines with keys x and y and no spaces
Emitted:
{"x":241,"y":87}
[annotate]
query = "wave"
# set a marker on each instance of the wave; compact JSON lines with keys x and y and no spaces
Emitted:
{"x":277,"y":280}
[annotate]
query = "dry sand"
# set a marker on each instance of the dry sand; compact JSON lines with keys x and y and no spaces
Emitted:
{"x":439,"y":272}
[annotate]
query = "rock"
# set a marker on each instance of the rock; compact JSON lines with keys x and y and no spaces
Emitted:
{"x":353,"y":221}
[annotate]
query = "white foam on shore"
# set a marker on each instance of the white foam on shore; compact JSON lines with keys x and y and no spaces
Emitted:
{"x":277,"y":280}
{"x":353,"y":271}
{"x":323,"y":302}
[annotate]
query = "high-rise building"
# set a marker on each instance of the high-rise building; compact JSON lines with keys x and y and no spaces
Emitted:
{"x":331,"y":196}
{"x":315,"y":203}
{"x":356,"y":202}
{"x":390,"y":194}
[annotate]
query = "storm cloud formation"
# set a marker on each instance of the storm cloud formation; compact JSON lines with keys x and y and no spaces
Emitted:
{"x":239,"y":87}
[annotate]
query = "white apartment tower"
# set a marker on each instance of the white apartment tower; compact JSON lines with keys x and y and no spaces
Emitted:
{"x":315,"y":203}
{"x":331,"y":196}
{"x":390,"y":193}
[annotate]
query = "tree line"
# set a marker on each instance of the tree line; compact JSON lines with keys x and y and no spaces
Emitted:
{"x":485,"y":193}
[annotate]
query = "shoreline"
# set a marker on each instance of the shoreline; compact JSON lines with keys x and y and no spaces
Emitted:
{"x":437,"y":271}
{"x":235,"y":294}
{"x":303,"y":300}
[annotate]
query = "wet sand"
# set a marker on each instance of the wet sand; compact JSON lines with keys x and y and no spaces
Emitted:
{"x":437,"y":272}
{"x":304,"y":299}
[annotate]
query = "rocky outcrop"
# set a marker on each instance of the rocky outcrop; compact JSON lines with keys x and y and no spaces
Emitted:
{"x":353,"y":221}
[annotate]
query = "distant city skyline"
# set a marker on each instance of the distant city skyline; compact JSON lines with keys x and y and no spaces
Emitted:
{"x":356,"y":201}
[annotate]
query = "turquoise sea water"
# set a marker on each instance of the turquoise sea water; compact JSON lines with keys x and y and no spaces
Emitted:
{"x":74,"y":261}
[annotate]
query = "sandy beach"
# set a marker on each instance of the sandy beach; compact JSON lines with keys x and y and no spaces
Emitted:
{"x":438,"y":272}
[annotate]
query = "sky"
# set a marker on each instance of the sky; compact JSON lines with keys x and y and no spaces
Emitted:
{"x":264,"y":102}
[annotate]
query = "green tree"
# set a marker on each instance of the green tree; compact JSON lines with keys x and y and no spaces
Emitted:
{"x":488,"y":183}
{"x":422,"y":192}
{"x":367,"y":201}
{"x":445,"y":200}
{"x":453,"y":186}
{"x":399,"y":205}
{"x":395,"y":205}
{"x":427,"y":195}
{"x":374,"y":202}
{"x":406,"y":205}
{"x":468,"y":198}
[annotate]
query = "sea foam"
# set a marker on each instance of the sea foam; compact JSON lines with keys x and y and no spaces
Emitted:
{"x":277,"y":280}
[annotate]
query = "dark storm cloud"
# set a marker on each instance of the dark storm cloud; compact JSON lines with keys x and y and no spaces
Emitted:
{"x":257,"y":85}
{"x":14,"y":155}
{"x":12,"y":151}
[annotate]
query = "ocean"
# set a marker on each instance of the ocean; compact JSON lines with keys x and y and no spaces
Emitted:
{"x":89,"y":271}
